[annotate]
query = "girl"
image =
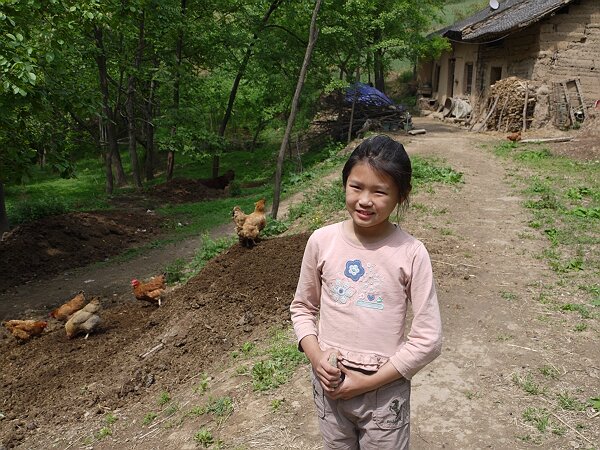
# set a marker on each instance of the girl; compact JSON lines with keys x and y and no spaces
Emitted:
{"x":358,"y":277}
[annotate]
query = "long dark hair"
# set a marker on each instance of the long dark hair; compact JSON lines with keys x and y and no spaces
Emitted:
{"x":384,"y":155}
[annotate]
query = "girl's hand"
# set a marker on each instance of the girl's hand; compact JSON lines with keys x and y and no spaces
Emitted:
{"x":355,"y":383}
{"x":328,"y":375}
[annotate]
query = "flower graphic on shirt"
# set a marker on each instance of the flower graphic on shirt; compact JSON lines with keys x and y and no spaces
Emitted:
{"x":341,"y":291}
{"x":354,"y":270}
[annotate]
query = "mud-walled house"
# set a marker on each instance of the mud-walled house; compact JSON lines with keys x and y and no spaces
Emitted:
{"x":548,"y":50}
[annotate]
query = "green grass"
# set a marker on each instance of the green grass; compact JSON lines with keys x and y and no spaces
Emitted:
{"x":563,"y":200}
{"x":278,"y":363}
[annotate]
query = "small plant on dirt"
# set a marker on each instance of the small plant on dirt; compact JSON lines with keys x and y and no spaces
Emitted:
{"x":175,"y":271}
{"x":219,"y":407}
{"x":149,"y":418}
{"x":276,"y":404}
{"x":538,"y":417}
{"x":565,"y":401}
{"x":594,"y":402}
{"x":471,"y":394}
{"x":504,"y":337}
{"x":202,"y":386}
{"x":582,"y":310}
{"x":580,"y":327}
{"x":104,"y":432}
{"x":164,"y":398}
{"x":275,"y":227}
{"x":527,"y":384}
{"x":247,"y":347}
{"x":549,"y":372}
{"x":508,"y":295}
{"x":110,"y":418}
{"x":204,"y":437}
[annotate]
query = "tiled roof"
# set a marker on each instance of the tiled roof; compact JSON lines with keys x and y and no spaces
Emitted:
{"x":510,"y":16}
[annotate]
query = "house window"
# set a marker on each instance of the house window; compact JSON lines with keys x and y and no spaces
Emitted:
{"x":468,"y":78}
{"x":495,"y":74}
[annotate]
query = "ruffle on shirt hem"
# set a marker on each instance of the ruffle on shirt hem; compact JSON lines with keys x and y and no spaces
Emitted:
{"x":357,"y":360}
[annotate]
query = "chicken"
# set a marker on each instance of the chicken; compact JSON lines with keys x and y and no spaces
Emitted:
{"x":64,"y":311}
{"x":85,"y":320}
{"x":514,"y":136}
{"x":152,"y":291}
{"x":249,"y":226}
{"x":24,"y":330}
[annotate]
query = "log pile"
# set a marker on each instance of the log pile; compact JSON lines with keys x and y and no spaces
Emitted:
{"x":510,"y":105}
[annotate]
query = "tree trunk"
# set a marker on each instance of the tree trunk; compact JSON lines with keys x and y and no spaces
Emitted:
{"x":149,"y":110}
{"x":378,"y":71}
{"x":354,"y":98}
{"x":241,"y":70}
{"x":178,"y":56}
{"x":111,"y":134}
{"x":313,"y":34}
{"x":3,"y":216}
{"x":131,"y":129}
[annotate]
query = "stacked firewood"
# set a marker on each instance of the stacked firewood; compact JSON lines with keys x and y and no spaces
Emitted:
{"x":510,"y":105}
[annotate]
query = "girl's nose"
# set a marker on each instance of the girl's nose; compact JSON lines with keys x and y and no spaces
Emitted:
{"x":365,"y":200}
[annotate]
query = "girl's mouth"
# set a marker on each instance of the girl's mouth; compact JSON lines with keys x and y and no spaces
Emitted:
{"x":364,"y":214}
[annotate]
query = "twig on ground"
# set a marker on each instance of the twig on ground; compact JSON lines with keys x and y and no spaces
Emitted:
{"x":455,"y":265}
{"x":572,"y":428}
{"x":525,"y":348}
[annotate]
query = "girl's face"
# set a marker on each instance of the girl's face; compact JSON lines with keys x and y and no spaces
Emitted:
{"x":370,"y":199}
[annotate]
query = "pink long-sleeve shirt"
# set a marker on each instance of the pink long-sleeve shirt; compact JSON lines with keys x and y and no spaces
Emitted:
{"x":354,"y":298}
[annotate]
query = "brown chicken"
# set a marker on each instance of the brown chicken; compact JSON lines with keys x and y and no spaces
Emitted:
{"x":152,"y":291}
{"x":514,"y":136}
{"x":249,"y":226}
{"x":85,"y":320}
{"x":24,"y":330}
{"x":63,"y":312}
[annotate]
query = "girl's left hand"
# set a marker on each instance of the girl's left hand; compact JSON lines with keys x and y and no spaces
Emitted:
{"x":355,"y":383}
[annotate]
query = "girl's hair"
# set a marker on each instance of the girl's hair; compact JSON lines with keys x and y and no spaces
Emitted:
{"x":384,"y":155}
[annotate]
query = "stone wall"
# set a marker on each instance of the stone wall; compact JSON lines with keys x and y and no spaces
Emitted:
{"x":569,"y":47}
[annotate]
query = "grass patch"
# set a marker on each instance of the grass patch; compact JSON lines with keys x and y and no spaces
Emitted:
{"x":528,"y":384}
{"x":278,"y":364}
{"x":538,"y":417}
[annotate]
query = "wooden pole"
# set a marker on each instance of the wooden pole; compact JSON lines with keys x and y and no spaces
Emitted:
{"x":525,"y":107}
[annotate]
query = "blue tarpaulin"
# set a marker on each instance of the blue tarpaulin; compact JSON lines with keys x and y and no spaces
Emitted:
{"x":367,"y":95}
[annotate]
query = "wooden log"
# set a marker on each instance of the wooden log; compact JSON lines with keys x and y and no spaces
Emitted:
{"x":556,"y":139}
{"x":489,"y":114}
{"x":525,"y":108}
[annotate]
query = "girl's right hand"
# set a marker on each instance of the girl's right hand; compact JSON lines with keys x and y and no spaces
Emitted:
{"x":328,"y":375}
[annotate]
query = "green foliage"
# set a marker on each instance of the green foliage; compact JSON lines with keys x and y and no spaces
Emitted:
{"x":30,"y":210}
{"x":282,"y":359}
{"x":110,"y":418}
{"x":104,"y":432}
{"x":528,"y":384}
{"x":202,"y":386}
{"x":164,"y":398}
{"x":219,"y":407}
{"x":149,"y":418}
{"x":538,"y":417}
{"x":582,"y":310}
{"x":204,"y":437}
{"x":429,"y":171}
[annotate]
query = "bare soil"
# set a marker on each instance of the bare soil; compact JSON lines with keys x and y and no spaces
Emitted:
{"x":58,"y":393}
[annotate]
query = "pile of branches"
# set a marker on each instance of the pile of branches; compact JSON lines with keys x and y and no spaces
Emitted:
{"x":509,"y":106}
{"x":336,"y":116}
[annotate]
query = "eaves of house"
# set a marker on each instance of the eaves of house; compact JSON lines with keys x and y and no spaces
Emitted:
{"x":511,"y":16}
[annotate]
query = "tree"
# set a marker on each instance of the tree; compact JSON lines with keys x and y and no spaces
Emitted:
{"x":312,"y":40}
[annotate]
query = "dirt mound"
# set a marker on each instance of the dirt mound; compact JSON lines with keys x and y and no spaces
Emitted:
{"x":181,"y":190}
{"x":236,"y":293}
{"x":54,"y":244}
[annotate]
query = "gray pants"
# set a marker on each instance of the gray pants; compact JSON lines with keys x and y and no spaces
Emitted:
{"x":377,"y":420}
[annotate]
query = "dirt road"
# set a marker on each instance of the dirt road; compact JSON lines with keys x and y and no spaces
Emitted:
{"x":507,"y":355}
